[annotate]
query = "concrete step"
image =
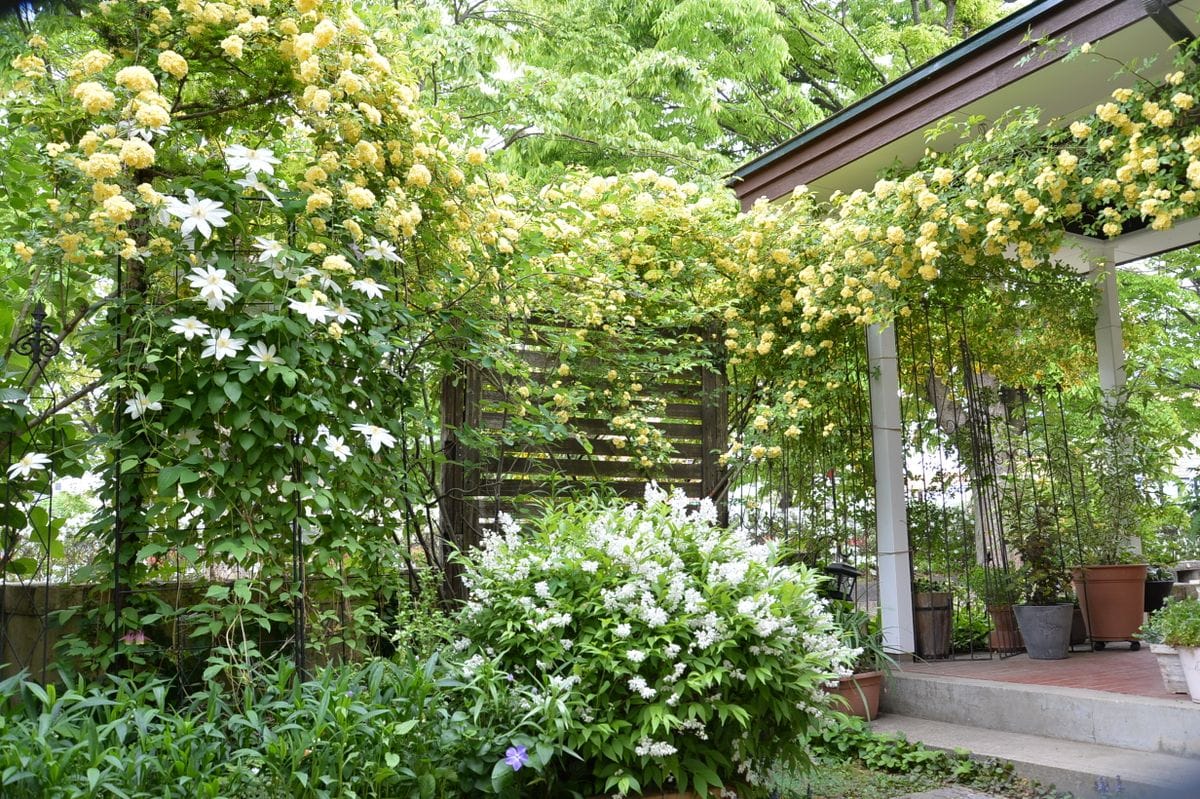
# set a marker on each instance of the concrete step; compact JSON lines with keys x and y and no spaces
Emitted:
{"x":1147,"y":724}
{"x":1086,"y":770}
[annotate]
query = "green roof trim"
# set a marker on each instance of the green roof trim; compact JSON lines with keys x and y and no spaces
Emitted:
{"x":958,"y":52}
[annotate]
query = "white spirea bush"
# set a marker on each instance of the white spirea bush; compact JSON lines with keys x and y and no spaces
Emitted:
{"x":696,"y":658}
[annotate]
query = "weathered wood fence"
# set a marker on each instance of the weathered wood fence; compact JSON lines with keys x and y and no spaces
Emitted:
{"x":478,"y":486}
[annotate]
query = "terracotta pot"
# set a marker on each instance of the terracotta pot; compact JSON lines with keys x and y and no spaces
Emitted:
{"x":1111,"y":598}
{"x":1170,"y":667}
{"x":1004,"y":637}
{"x":861,"y":692}
{"x":934,"y":617}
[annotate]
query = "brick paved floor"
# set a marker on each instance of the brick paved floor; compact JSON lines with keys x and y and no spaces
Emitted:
{"x":1115,"y":669}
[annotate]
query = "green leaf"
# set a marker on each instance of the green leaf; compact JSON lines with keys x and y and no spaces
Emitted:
{"x":233,"y":391}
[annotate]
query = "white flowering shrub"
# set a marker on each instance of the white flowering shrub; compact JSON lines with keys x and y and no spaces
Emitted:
{"x":695,"y":659}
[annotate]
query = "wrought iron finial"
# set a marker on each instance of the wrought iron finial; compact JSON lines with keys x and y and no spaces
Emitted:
{"x":39,"y":343}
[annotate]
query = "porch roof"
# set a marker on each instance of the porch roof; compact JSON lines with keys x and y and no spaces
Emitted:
{"x":1018,"y":62}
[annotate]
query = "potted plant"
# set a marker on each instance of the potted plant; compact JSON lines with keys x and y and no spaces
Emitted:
{"x":1159,"y":581}
{"x":1167,"y":657}
{"x":1045,"y":617}
{"x":862,"y":631}
{"x":933,"y":609}
{"x":1110,"y":580}
{"x":1179,"y":624}
{"x":1000,"y":593}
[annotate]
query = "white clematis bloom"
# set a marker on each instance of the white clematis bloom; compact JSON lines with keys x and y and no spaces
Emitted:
{"x":314,"y":312}
{"x":189,"y":327}
{"x":269,"y":249}
{"x":368,"y":286}
{"x":381,"y":250}
{"x":214,"y":286}
{"x":343,"y":315}
{"x":375,"y":435}
{"x":198,"y":215}
{"x":222,"y":344}
{"x":263,"y":355}
{"x":244,"y":159}
{"x":336,"y":445}
{"x":137,"y":405}
{"x":29,"y":463}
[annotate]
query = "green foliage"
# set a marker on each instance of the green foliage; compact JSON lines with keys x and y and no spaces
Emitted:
{"x":862,"y":632}
{"x":1177,"y":623}
{"x":691,"y":656}
{"x":687,"y":86}
{"x":970,"y":629}
{"x":382,"y":729}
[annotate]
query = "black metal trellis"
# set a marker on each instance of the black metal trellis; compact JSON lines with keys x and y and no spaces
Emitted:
{"x":25,"y":604}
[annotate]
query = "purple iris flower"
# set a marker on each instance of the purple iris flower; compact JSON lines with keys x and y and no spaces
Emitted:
{"x":516,"y":757}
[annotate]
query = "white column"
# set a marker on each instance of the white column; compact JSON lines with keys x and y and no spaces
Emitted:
{"x":1110,"y":348}
{"x":891,"y":522}
{"x":1096,"y":259}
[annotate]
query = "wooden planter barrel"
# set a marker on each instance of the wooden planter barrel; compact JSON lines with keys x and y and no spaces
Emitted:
{"x":934,"y":623}
{"x":1005,"y":637}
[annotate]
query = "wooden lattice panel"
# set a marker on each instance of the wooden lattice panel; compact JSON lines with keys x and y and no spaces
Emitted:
{"x":689,"y":411}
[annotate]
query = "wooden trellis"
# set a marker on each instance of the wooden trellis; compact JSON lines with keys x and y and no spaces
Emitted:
{"x":477,"y":487}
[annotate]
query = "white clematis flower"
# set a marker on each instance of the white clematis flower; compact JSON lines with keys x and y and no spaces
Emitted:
{"x":222,"y":344}
{"x":254,"y":184}
{"x":31,"y":462}
{"x":263,"y":355}
{"x":375,"y":435}
{"x":269,"y":249}
{"x":381,"y":250}
{"x":137,"y":405}
{"x":251,"y":161}
{"x":368,"y":286}
{"x":343,"y":315}
{"x":189,"y":327}
{"x":198,"y":215}
{"x":336,"y":445}
{"x":214,"y":286}
{"x":314,"y":312}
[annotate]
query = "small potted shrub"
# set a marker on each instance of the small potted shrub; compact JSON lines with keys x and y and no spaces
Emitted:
{"x":695,"y":659}
{"x":1167,"y":657}
{"x":933,"y":608}
{"x":1110,"y":580}
{"x":1044,"y":618}
{"x":1179,"y":623}
{"x":863,"y":632}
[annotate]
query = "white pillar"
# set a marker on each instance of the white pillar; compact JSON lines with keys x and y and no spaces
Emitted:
{"x":1110,"y":348}
{"x":1097,"y":260}
{"x":891,"y":522}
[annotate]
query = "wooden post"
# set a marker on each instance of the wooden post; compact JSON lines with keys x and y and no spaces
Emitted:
{"x":461,"y":394}
{"x":714,"y":436}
